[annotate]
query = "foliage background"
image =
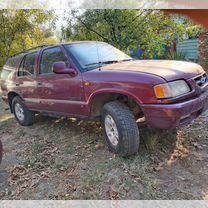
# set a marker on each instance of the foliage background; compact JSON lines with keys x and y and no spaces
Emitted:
{"x":149,"y":30}
{"x":129,"y":30}
{"x":24,"y":29}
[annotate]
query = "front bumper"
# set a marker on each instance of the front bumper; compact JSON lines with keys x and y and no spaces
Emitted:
{"x":169,"y":116}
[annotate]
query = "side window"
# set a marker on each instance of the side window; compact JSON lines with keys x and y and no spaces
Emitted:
{"x":49,"y":57}
{"x":9,"y":68}
{"x":27,"y":65}
{"x":4,"y":73}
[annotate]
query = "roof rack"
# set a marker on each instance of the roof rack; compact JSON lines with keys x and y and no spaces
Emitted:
{"x":37,"y":47}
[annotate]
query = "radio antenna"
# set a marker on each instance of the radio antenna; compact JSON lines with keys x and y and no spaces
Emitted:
{"x":99,"y":62}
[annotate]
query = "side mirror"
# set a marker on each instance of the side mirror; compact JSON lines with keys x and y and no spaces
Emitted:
{"x":61,"y":68}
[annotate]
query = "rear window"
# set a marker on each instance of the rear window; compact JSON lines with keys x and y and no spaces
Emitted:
{"x":5,"y":74}
{"x":9,"y":67}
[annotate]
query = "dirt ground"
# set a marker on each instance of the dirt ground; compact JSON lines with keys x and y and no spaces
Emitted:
{"x":68,"y":159}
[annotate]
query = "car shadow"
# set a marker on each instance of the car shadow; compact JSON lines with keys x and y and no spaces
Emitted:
{"x":151,"y":141}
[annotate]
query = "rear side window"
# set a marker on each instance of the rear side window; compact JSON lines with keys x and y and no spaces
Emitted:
{"x":28,"y":65}
{"x":49,"y":57}
{"x":5,"y":74}
{"x":10,"y":67}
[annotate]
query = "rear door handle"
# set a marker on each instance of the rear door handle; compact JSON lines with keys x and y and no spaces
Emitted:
{"x":17,"y":84}
{"x":39,"y":83}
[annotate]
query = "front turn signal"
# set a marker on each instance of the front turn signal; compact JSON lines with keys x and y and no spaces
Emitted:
{"x":161,"y":91}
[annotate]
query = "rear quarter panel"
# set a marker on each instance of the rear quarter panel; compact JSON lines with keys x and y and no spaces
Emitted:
{"x":7,"y":76}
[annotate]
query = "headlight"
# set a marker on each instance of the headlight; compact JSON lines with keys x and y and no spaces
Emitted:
{"x":171,"y":89}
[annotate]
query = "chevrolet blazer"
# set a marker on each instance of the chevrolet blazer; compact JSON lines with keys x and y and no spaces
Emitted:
{"x":94,"y":80}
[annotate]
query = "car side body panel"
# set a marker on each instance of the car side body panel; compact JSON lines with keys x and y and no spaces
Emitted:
{"x":63,"y":94}
{"x":138,"y":86}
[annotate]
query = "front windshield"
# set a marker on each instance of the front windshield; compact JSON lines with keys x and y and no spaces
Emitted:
{"x":91,"y":55}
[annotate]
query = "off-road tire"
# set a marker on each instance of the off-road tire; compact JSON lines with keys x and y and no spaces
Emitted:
{"x":29,"y":116}
{"x":128,"y":142}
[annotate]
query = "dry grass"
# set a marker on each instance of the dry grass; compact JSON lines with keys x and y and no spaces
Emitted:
{"x":67,"y":159}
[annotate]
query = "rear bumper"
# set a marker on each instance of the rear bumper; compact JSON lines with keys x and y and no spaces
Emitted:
{"x":169,"y":116}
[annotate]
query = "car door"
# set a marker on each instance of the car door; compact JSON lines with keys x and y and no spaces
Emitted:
{"x":59,"y":93}
{"x":26,"y":81}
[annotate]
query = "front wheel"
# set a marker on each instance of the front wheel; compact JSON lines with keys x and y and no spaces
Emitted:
{"x":120,"y":128}
{"x":23,"y":115}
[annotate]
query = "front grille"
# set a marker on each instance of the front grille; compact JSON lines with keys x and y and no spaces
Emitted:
{"x":201,"y":80}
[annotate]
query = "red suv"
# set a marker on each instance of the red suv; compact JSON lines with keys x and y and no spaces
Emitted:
{"x":94,"y":80}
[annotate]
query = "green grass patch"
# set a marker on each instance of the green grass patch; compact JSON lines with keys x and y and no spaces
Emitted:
{"x":38,"y":148}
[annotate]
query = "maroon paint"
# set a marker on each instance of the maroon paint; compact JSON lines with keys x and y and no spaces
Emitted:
{"x":72,"y":93}
{"x":61,"y":68}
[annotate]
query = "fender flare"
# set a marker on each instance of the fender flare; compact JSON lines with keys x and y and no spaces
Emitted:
{"x":10,"y":103}
{"x":112,"y":91}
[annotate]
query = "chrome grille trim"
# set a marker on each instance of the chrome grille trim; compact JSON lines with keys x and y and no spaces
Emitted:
{"x":201,"y":80}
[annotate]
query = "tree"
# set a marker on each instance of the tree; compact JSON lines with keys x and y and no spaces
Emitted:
{"x":149,"y":30}
{"x":22,"y":29}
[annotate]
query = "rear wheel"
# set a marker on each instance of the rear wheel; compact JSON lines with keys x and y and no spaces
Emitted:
{"x":121,"y":130}
{"x":23,"y":115}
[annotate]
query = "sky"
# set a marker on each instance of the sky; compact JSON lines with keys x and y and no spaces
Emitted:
{"x":62,"y":18}
{"x":95,"y":4}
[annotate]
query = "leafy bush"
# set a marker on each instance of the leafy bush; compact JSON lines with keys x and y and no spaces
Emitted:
{"x":176,"y":56}
{"x":173,"y":56}
{"x":206,"y":56}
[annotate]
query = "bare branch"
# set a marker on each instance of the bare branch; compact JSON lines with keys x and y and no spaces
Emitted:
{"x":92,"y":30}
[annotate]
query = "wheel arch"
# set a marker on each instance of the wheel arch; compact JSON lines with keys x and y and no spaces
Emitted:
{"x":99,"y":98}
{"x":10,"y":96}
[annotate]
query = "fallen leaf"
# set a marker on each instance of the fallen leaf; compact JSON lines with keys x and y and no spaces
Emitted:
{"x":99,"y":146}
{"x":183,"y":179}
{"x":159,"y":167}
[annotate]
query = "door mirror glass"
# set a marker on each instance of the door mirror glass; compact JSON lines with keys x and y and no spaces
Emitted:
{"x":51,"y":56}
{"x":61,"y":68}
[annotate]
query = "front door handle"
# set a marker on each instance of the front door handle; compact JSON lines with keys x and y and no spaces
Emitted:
{"x":39,"y":83}
{"x":17,"y":84}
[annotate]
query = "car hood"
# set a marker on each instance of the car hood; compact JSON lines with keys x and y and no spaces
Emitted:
{"x":169,"y":70}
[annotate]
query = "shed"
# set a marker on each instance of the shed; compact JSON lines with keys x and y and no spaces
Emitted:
{"x":190,"y":48}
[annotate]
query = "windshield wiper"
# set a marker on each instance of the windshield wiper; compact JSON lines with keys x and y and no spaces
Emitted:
{"x":107,"y":62}
{"x":103,"y":62}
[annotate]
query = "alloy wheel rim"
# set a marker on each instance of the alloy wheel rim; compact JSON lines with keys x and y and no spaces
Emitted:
{"x":111,"y":130}
{"x":19,"y":112}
